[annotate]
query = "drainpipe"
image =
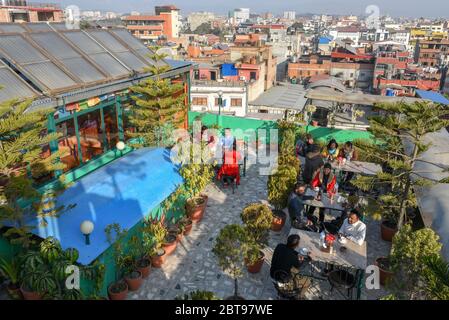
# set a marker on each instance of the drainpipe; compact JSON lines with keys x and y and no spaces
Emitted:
{"x":247,"y":102}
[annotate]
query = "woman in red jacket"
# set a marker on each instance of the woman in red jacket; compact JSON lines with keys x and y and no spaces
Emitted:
{"x":230,"y":165}
{"x":327,"y":182}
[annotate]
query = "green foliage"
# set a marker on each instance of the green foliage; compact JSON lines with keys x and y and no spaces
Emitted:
{"x":158,"y":107}
{"x":22,"y":135}
{"x":154,"y":233}
{"x":115,"y":236}
{"x":401,"y":123}
{"x":257,"y":218}
{"x":198,"y":295}
{"x":230,"y":249}
{"x":280,"y":184}
{"x":410,"y":251}
{"x":436,"y":278}
{"x":196,"y":177}
{"x":10,"y":270}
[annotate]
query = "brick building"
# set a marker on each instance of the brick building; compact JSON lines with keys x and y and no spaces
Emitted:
{"x":24,"y":11}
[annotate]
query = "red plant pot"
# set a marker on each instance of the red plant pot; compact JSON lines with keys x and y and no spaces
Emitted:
{"x":134,"y":281}
{"x":278,"y":221}
{"x":256,"y":267}
{"x":118,"y":291}
{"x":144,"y":267}
{"x":30,"y":295}
{"x":384,"y":275}
{"x":196,"y":212}
{"x":170,"y":246}
{"x":188,"y":229}
{"x":158,"y":260}
{"x":387,"y":232}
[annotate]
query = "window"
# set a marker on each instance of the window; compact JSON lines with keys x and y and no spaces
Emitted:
{"x":68,"y":144}
{"x":91,"y":135}
{"x":199,"y":101}
{"x":236,"y":102}
{"x":253,"y":75}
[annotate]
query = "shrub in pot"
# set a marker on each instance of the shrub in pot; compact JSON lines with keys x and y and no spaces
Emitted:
{"x":118,"y":290}
{"x":385,"y":273}
{"x":10,"y":270}
{"x":410,"y":251}
{"x":258,"y":219}
{"x":154,"y":233}
{"x":138,"y":252}
{"x":186,"y":224}
{"x":280,"y":184}
{"x":279,"y":218}
{"x":254,"y":258}
{"x":170,"y":243}
{"x":230,"y":249}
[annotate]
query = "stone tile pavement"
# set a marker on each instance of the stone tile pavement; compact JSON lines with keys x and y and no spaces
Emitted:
{"x":194,"y":267}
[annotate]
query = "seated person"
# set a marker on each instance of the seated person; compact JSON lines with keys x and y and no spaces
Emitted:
{"x":303,"y":148}
{"x":331,"y":151}
{"x":326,"y":181}
{"x":349,"y":152}
{"x":286,"y":260}
{"x":353,"y":229}
{"x":296,"y":207}
{"x":313,"y":162}
{"x":230,"y":167}
{"x":227,"y":141}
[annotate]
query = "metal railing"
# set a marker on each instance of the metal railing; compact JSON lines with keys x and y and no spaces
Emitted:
{"x":212,"y":83}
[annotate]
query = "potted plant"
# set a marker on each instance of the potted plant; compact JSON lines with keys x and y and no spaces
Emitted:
{"x":139,"y":253}
{"x":254,"y":258}
{"x":133,"y":277}
{"x":198,"y":295}
{"x":186,"y":224}
{"x":409,"y":253}
{"x":196,"y":177}
{"x":118,"y":290}
{"x":385,"y":273}
{"x":10,"y":270}
{"x":230,"y":249}
{"x":176,"y":229}
{"x":280,"y":184}
{"x":153,"y":237}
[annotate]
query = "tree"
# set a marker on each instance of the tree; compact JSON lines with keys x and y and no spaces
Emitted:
{"x":231,"y":247}
{"x":436,"y":278}
{"x":410,"y":251}
{"x":22,"y":135}
{"x":157,"y":106}
{"x":400,"y":131}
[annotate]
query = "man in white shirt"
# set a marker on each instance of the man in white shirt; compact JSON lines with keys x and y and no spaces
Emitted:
{"x":353,"y":229}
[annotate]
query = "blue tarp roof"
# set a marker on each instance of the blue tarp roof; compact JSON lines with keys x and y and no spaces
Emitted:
{"x":432,"y":96}
{"x":122,"y":192}
{"x":325,"y":40}
{"x":228,"y":69}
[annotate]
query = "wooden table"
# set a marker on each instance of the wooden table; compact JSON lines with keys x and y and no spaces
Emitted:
{"x":354,"y":255}
{"x":359,"y":167}
{"x":325,"y":201}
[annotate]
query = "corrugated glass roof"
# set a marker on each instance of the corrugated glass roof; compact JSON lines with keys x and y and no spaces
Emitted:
{"x":11,"y":86}
{"x":101,"y":57}
{"x":40,"y":69}
{"x":5,"y":28}
{"x":123,"y":54}
{"x":72,"y":60}
{"x":38,"y":26}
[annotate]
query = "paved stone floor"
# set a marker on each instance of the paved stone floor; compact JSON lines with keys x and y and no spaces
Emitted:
{"x":193,"y":265}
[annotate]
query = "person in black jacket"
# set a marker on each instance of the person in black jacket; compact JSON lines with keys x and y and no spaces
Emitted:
{"x":286,"y":261}
{"x":314,"y":161}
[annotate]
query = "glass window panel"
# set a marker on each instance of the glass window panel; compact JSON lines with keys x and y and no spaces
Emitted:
{"x":19,"y":49}
{"x":108,"y":41}
{"x":52,"y":43}
{"x":111,"y":126}
{"x":109,"y":64}
{"x":83,"y":70}
{"x":91,"y":135}
{"x":131,"y":61}
{"x":50,"y":75}
{"x":84,"y":42}
{"x":68,"y":144}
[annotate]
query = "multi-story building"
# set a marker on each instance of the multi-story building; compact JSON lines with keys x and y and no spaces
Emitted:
{"x":308,"y":66}
{"x":346,"y":33}
{"x":164,"y":25}
{"x":432,"y":53}
{"x":402,"y":37}
{"x":24,"y":11}
{"x":240,"y":15}
{"x":396,"y":74}
{"x":195,"y":19}
{"x":290,"y":15}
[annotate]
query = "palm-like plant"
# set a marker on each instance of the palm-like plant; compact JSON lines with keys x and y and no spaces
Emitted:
{"x":10,"y":270}
{"x":437,"y":278}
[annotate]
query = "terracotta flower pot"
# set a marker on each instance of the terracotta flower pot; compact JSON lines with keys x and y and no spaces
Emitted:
{"x":170,"y":245}
{"x":158,"y":260}
{"x":197,"y":208}
{"x":14,"y":291}
{"x":256,"y":267}
{"x":387,"y":231}
{"x":134,"y":280}
{"x":30,"y":295}
{"x":188,"y":228}
{"x":384,"y":275}
{"x":278,"y":220}
{"x":144,"y":267}
{"x":118,"y":290}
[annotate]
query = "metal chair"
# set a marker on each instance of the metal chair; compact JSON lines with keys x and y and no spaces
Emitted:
{"x":343,"y":279}
{"x":230,"y":180}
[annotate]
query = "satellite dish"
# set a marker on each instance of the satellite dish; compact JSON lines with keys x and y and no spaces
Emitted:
{"x":167,"y":52}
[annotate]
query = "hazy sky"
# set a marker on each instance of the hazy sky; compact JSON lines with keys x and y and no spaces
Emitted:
{"x":400,"y":8}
